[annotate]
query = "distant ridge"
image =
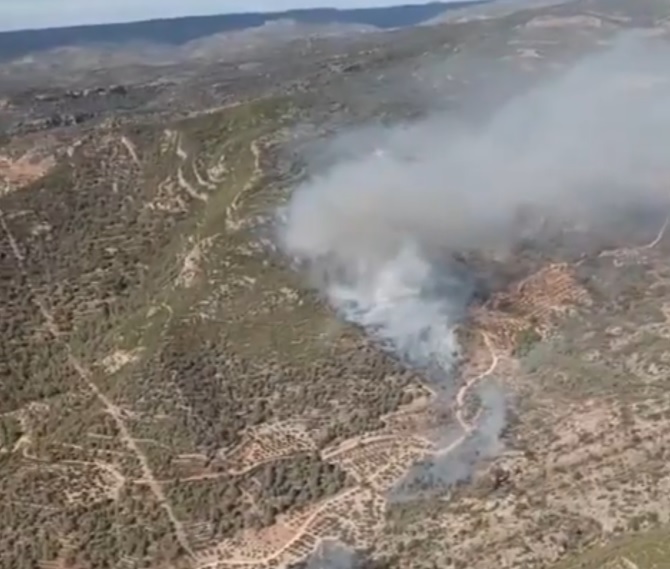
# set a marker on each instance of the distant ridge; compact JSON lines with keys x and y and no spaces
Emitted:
{"x":497,"y":9}
{"x":178,"y":31}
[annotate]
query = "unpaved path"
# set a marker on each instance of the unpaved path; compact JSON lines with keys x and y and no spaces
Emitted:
{"x":463,"y":391}
{"x":130,"y":147}
{"x":357,"y":442}
{"x":468,"y":427}
{"x":660,"y":235}
{"x":215,"y":475}
{"x":299,"y":533}
{"x":632,"y":250}
{"x":185,"y":185}
{"x":232,"y":222}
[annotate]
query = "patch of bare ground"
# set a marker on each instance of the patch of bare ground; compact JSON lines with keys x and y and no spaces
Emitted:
{"x":191,"y":268}
{"x":21,"y":171}
{"x":118,"y":359}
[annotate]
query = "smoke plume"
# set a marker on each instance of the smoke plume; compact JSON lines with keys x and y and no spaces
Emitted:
{"x":331,"y":554}
{"x":373,"y":228}
{"x":456,"y":463}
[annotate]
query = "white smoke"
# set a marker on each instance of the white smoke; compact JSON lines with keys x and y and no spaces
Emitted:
{"x":372,"y":228}
{"x":456,"y":463}
{"x":333,"y":555}
{"x":393,"y":301}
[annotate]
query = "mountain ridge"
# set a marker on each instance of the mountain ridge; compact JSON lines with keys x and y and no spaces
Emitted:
{"x":178,"y":31}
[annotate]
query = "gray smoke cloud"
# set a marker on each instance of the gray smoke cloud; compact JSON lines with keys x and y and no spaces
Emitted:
{"x":330,"y":554}
{"x":372,"y":225}
{"x":333,"y":555}
{"x":444,"y":469}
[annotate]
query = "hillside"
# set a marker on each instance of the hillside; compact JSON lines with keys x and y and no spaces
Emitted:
{"x":398,"y":299}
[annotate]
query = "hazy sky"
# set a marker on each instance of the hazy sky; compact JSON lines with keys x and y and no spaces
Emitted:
{"x":20,"y":14}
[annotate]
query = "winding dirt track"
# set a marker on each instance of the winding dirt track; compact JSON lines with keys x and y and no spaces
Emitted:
{"x":468,"y":427}
{"x":463,"y":391}
{"x":650,"y":245}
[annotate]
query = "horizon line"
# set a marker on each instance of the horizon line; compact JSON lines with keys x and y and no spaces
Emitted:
{"x":403,"y":4}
